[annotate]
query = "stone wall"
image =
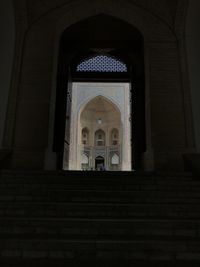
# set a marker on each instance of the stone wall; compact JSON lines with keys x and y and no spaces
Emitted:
{"x":169,"y":136}
{"x":7,"y":47}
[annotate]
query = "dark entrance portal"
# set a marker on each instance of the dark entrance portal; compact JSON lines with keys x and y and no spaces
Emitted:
{"x":113,"y":37}
{"x":99,"y":163}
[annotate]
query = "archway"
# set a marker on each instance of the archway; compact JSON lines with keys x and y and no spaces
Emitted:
{"x":99,"y":128}
{"x":101,"y":34}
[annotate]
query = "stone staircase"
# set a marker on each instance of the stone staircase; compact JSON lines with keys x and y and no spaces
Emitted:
{"x":106,"y":219}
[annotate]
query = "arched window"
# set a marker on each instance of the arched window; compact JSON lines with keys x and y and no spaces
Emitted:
{"x":100,"y":138}
{"x":114,"y":137}
{"x":101,"y":63}
{"x":85,"y":136}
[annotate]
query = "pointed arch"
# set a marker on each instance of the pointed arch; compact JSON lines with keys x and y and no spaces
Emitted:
{"x":95,"y":97}
{"x":115,"y":159}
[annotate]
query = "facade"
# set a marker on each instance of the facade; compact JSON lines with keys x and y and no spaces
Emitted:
{"x":101,"y":138}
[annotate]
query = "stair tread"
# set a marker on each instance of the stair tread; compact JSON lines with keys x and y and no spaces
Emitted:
{"x":121,"y":215}
{"x":130,"y":220}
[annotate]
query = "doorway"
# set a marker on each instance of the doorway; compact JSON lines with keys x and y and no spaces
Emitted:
{"x":100,"y":37}
{"x":99,"y":163}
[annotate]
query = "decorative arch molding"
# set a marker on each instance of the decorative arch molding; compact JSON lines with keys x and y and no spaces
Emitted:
{"x":82,"y":106}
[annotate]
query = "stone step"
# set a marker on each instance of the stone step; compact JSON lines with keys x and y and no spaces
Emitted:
{"x":98,"y":228}
{"x":149,"y":249}
{"x":77,"y":192}
{"x":98,"y":210}
{"x":57,"y":259}
{"x":67,"y":218}
{"x":71,"y":173}
{"x":76,"y":176}
{"x":163,"y":186}
{"x":173,"y":188}
{"x":108,"y":199}
{"x":102,"y":180}
{"x":122,"y":196}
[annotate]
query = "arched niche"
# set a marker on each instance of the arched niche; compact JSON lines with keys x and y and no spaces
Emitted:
{"x":114,"y":136}
{"x":99,"y":138}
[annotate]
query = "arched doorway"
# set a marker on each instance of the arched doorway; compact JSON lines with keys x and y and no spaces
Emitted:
{"x":101,"y":34}
{"x":99,"y":163}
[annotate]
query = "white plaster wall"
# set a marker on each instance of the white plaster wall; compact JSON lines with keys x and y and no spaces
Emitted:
{"x":7,"y":45}
{"x":193,"y":51}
